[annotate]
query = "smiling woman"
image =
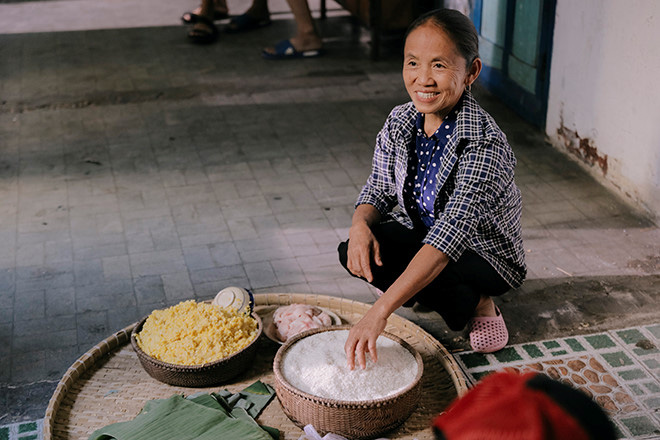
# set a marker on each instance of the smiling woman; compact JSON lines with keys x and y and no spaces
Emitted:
{"x":455,"y":240}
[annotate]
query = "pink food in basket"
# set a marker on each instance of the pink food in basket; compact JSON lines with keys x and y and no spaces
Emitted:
{"x":295,"y":318}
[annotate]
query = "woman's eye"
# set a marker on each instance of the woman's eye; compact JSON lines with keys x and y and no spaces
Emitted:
{"x":439,"y":65}
{"x":412,"y":63}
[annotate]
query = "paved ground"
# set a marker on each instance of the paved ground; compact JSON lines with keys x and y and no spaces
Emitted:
{"x":138,"y":171}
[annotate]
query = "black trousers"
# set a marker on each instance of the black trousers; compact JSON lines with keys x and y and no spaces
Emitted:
{"x":454,"y":293}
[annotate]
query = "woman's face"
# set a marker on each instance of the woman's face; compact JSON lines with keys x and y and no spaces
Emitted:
{"x":434,"y":71}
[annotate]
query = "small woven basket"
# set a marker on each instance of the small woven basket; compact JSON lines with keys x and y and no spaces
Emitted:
{"x":357,"y":420}
{"x":204,"y":375}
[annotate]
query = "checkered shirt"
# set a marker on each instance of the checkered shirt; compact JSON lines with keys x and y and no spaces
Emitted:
{"x":477,"y":205}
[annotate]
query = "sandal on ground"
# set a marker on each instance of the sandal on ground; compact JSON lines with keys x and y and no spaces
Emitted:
{"x":192,"y":18}
{"x":246,"y":22}
{"x":285,"y":50}
{"x":488,"y":334}
{"x":203,"y":35}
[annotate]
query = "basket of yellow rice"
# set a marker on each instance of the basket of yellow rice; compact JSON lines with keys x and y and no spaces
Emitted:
{"x":196,"y":344}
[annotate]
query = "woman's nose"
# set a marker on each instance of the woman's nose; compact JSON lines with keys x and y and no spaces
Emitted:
{"x":425,"y":76}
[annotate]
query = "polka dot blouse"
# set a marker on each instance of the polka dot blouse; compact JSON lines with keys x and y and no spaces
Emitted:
{"x":420,"y":188}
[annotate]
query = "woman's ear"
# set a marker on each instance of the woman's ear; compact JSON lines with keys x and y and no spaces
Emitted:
{"x":473,"y":72}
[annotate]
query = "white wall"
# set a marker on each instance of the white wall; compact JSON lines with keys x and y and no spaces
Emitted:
{"x":604,"y":100}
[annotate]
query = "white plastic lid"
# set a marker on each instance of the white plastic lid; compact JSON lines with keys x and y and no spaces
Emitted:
{"x":234,"y":297}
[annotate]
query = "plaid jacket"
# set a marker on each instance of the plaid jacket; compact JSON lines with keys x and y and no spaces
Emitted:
{"x":478,"y":205}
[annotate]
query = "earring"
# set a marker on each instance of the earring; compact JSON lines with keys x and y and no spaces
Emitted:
{"x":469,"y":87}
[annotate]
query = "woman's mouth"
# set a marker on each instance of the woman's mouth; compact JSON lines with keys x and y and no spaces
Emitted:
{"x":426,"y":96}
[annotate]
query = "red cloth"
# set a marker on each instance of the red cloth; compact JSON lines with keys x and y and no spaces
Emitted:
{"x":504,"y":406}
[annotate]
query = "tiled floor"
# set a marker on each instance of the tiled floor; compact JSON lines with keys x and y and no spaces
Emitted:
{"x":22,"y":431}
{"x":619,"y":369}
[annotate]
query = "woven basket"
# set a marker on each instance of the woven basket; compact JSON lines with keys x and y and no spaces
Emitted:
{"x":107,"y":384}
{"x":356,"y":420}
{"x":205,"y":375}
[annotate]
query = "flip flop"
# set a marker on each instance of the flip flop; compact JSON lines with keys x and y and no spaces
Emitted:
{"x":488,"y":334}
{"x":203,"y":36}
{"x":285,"y":50}
{"x":192,"y":18}
{"x":245,"y":22}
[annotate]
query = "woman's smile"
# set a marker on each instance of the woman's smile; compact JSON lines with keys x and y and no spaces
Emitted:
{"x":427,"y":96}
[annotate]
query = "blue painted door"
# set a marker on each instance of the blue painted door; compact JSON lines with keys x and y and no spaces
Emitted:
{"x":515,"y":44}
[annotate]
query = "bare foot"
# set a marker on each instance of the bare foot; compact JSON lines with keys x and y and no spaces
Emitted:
{"x":302,"y":44}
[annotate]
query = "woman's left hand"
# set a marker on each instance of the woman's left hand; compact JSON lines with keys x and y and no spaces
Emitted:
{"x":362,"y":338}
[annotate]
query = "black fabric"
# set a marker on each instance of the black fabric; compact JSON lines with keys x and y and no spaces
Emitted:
{"x":438,"y":434}
{"x":584,"y":410}
{"x":454,"y":294}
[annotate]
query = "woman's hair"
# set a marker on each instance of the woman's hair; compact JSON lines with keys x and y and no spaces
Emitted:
{"x":459,"y":27}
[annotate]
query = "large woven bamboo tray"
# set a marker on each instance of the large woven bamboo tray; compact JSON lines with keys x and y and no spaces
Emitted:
{"x":107,"y":384}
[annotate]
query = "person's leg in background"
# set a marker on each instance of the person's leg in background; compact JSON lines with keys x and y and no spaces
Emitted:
{"x":218,"y":12}
{"x":257,"y":16}
{"x":307,"y":36}
{"x":306,"y":43}
{"x":204,"y":30}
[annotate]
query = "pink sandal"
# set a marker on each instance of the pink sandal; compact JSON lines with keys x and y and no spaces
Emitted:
{"x":488,"y":334}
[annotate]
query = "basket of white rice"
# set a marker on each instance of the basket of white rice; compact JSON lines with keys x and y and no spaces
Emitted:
{"x":196,"y":344}
{"x":315,"y":385}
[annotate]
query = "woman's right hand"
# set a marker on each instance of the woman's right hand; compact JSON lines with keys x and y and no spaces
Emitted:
{"x":362,"y":249}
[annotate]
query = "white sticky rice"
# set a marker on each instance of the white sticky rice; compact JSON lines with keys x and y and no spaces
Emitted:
{"x":317,"y":365}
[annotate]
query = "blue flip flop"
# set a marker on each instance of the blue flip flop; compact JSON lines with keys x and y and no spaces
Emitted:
{"x":284,"y":50}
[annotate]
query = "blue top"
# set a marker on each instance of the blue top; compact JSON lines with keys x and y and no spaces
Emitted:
{"x":420,"y":189}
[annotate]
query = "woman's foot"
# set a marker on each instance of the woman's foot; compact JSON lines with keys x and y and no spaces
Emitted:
{"x":488,"y":332}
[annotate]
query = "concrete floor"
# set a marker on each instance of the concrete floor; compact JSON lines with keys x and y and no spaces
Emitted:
{"x":138,"y":170}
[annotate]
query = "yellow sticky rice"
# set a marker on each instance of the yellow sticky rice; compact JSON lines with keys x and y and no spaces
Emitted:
{"x":192,"y":333}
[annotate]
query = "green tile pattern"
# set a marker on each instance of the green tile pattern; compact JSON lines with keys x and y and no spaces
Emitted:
{"x":617,"y":359}
{"x":32,"y":430}
{"x":27,"y":427}
{"x":625,"y":365}
{"x":551,"y":344}
{"x":600,"y":341}
{"x":574,"y":344}
{"x":533,"y":350}
{"x":641,"y":425}
{"x":507,"y":354}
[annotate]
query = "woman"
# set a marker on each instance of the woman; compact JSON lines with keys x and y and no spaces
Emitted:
{"x":455,"y":240}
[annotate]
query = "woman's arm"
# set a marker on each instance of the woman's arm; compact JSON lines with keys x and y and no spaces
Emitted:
{"x":423,"y":268}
